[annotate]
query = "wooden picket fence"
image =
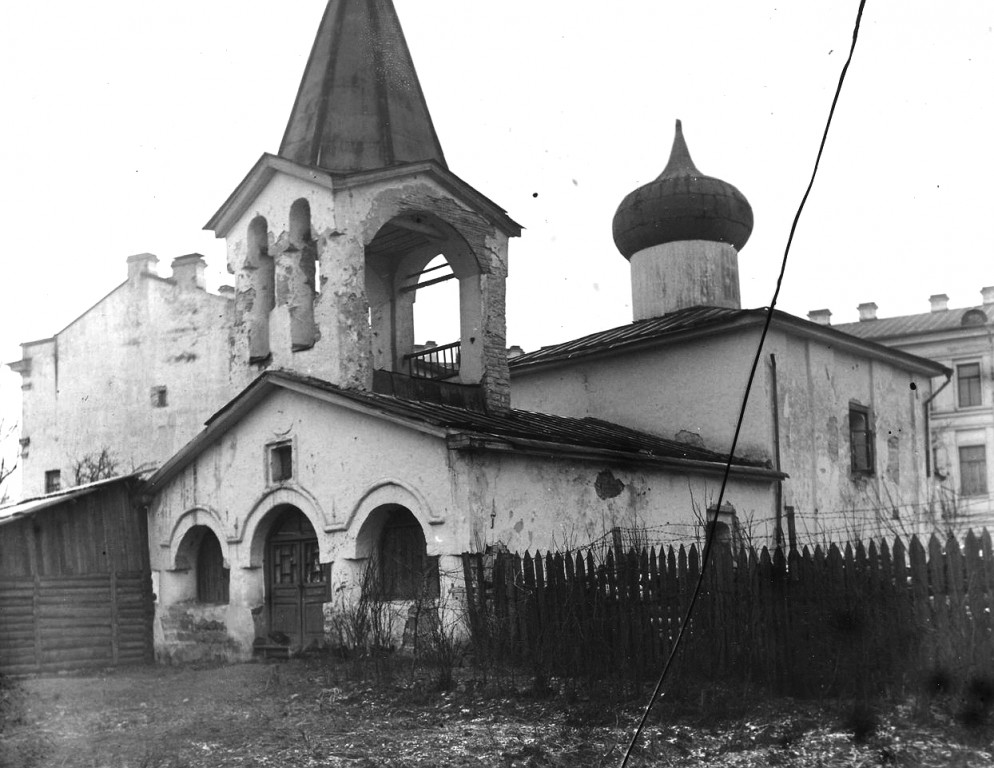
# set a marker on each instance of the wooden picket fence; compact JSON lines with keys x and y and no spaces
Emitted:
{"x":851,"y":619}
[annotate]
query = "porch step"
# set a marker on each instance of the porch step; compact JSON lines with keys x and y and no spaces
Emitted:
{"x":272,"y":651}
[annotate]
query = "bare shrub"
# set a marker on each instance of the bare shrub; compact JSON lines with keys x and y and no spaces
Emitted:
{"x":363,"y":624}
{"x":98,"y":465}
{"x":436,"y":629}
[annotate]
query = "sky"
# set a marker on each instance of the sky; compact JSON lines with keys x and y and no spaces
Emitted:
{"x":126,"y":125}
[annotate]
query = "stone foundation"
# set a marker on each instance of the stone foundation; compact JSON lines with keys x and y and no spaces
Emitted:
{"x":195,"y":632}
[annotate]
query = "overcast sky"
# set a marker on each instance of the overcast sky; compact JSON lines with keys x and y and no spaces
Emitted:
{"x":127,"y":124}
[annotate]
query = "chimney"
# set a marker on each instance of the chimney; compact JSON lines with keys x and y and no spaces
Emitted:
{"x":228,"y":291}
{"x":867,"y":311}
{"x":820,"y":316}
{"x":988,"y":294}
{"x":188,"y":271}
{"x":141,"y":263}
{"x":939,"y":302}
{"x":513,"y":351}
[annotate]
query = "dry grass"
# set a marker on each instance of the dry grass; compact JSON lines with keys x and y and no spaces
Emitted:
{"x":318,"y":712}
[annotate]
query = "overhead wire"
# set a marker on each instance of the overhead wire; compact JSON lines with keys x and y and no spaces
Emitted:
{"x":712,"y":526}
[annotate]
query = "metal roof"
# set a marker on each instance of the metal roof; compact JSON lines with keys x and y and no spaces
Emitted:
{"x":360,"y":105}
{"x":468,"y":429}
{"x":656,"y":328}
{"x":909,"y":325}
{"x":529,"y":425}
{"x":13,"y":512}
{"x":694,"y":322}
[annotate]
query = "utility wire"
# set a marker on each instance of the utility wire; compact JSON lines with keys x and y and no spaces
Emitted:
{"x":712,"y":526}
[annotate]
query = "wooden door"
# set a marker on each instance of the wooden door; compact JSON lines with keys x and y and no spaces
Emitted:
{"x":296,"y":582}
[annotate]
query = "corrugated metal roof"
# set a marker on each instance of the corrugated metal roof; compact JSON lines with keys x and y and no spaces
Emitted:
{"x":908,"y":325}
{"x":12,"y":512}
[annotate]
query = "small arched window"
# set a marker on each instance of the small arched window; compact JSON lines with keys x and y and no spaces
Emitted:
{"x":974,"y":317}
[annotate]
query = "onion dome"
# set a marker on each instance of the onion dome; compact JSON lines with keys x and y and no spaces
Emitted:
{"x":682,"y":204}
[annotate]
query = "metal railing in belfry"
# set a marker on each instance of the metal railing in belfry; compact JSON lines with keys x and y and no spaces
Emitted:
{"x":441,"y":362}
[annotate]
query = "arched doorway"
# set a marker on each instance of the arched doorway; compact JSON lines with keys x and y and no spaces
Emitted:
{"x":296,"y":581}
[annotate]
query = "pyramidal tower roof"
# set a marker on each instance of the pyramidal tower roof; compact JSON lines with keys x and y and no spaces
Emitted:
{"x":360,"y":105}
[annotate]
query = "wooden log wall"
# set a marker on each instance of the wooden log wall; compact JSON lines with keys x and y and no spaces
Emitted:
{"x":75,"y":586}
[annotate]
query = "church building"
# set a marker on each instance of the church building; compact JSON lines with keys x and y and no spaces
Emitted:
{"x":320,"y":444}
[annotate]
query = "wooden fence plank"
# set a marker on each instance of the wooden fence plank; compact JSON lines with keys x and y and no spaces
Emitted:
{"x":804,"y":621}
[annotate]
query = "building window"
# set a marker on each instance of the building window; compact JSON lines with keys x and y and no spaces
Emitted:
{"x":973,"y":470}
{"x":406,"y":571}
{"x":158,"y":397}
{"x":53,"y":480}
{"x":968,"y":383}
{"x":861,"y":439}
{"x":280,"y":462}
{"x":212,"y":577}
{"x":726,"y":527}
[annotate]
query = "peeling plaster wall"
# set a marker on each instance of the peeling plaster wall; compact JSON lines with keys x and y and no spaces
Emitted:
{"x":349,"y":463}
{"x":346,"y":463}
{"x":691,"y":392}
{"x":691,"y":388}
{"x":90,"y":388}
{"x":273,"y":203}
{"x":539,"y":502}
{"x":343,"y":222}
{"x":817,"y":382}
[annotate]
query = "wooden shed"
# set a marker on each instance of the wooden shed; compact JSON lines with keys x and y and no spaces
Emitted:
{"x":75,"y":582}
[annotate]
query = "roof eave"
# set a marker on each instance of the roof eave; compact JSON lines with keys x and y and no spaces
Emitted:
{"x":836,"y":337}
{"x":464,"y":441}
{"x":254,"y":182}
{"x":269,"y":165}
{"x":29,"y":506}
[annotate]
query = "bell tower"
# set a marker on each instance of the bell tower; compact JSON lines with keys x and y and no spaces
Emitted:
{"x":330,"y":238}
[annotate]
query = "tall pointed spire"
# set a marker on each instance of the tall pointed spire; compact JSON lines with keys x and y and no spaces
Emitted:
{"x":360,"y":105}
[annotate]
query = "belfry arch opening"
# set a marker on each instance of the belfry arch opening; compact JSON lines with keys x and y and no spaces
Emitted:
{"x":296,"y":276}
{"x":418,"y":260}
{"x":262,"y":295}
{"x":436,"y":322}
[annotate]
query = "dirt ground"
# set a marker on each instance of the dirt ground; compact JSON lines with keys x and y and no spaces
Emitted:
{"x":317,"y":712}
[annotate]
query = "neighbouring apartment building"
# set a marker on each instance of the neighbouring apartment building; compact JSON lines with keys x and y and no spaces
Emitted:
{"x":334,"y":446}
{"x":961,"y":414}
{"x":132,"y":378}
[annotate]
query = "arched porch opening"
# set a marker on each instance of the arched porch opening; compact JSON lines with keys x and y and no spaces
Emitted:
{"x":203,"y":576}
{"x":393,"y":544}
